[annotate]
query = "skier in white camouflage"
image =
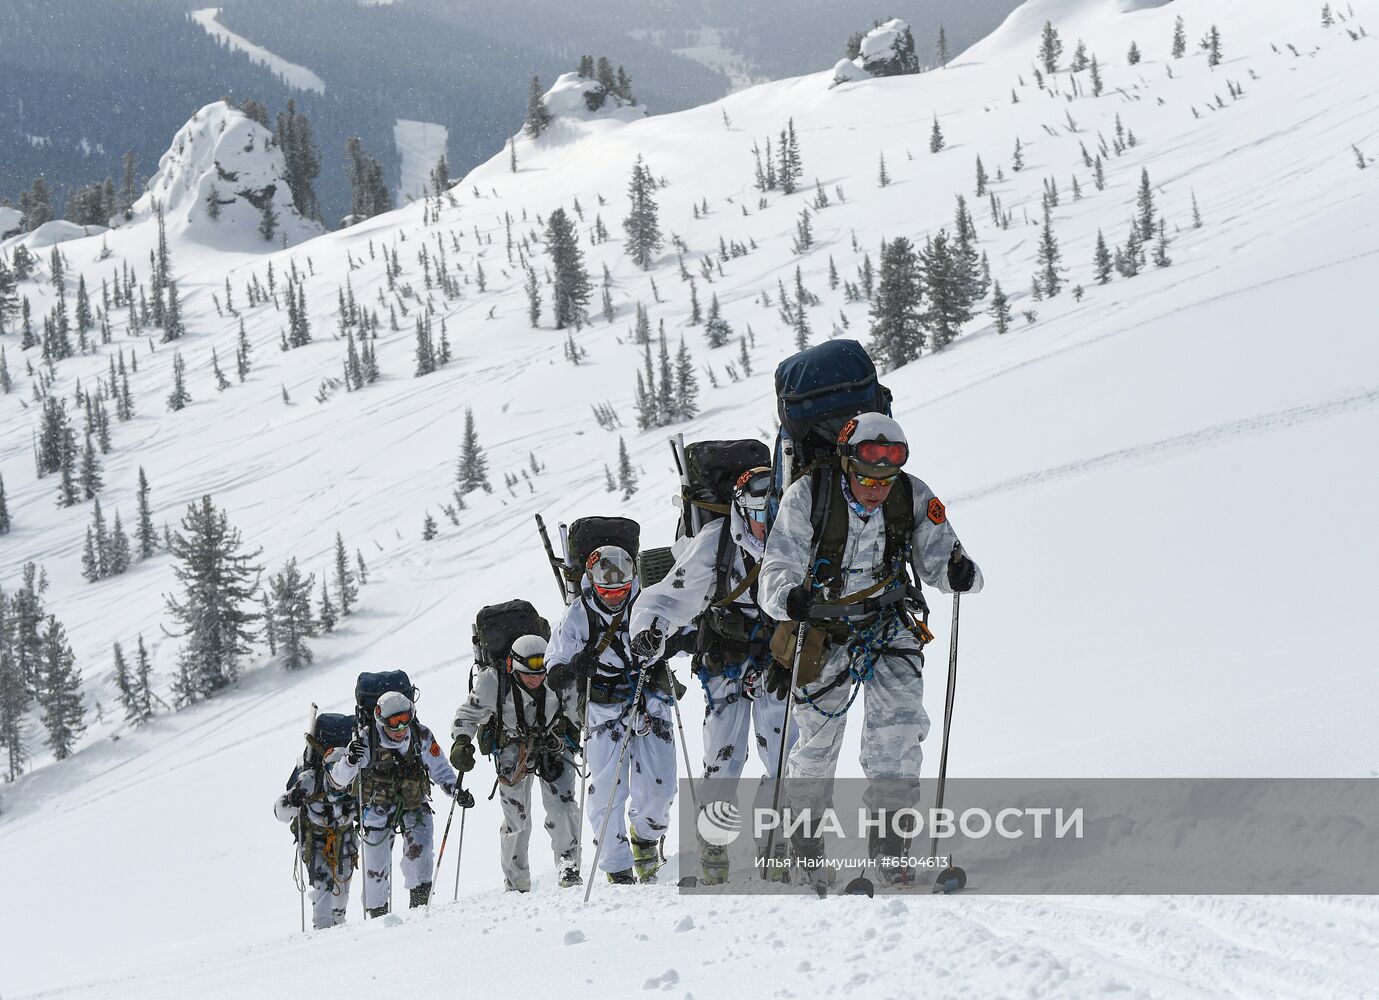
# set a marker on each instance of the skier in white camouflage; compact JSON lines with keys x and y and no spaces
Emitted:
{"x":533,"y":741}
{"x":323,"y":816}
{"x":396,"y":787}
{"x":882,"y":524}
{"x":714,"y":583}
{"x":591,"y":645}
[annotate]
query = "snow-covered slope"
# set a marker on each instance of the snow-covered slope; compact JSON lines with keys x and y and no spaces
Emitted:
{"x":420,"y":145}
{"x":1167,"y":484}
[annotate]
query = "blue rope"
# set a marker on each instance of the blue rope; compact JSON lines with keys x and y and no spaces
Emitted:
{"x":868,"y":642}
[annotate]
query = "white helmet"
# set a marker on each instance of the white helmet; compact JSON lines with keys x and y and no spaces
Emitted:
{"x":528,"y":655}
{"x":394,"y":712}
{"x":872,"y":444}
{"x":611,"y":566}
{"x":752,"y":488}
{"x":611,"y":570}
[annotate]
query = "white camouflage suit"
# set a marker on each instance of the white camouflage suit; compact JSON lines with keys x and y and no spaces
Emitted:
{"x":558,"y":796}
{"x":894,"y":722}
{"x":327,"y":835}
{"x":382,"y":822}
{"x":648,"y":775}
{"x":736,"y":699}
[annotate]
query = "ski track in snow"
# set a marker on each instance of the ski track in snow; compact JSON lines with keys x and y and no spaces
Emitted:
{"x":292,"y":74}
{"x":1346,"y":403}
{"x":420,"y":145}
{"x":1156,"y":419}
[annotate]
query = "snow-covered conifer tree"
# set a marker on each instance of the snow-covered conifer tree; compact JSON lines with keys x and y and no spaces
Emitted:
{"x":897,"y":322}
{"x":571,"y":288}
{"x":218,"y":580}
{"x":641,"y":225}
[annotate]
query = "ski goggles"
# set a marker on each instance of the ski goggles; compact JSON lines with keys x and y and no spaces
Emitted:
{"x":752,"y":486}
{"x":882,"y":453}
{"x":397,"y":723}
{"x":612,"y":595}
{"x":528,"y":664}
{"x":871,"y":482}
{"x":757,"y":514}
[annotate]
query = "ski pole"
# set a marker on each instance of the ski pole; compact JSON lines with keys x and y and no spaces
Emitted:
{"x":550,"y":557}
{"x":301,"y":830}
{"x":459,"y":854}
{"x":297,"y":877}
{"x":617,"y":777}
{"x":790,"y":700}
{"x":687,"y":514}
{"x":584,"y":779}
{"x":684,"y":747}
{"x":440,"y":855}
{"x":952,"y":877}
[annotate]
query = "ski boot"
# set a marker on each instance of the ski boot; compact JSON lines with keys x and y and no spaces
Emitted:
{"x":509,"y":886}
{"x":377,"y":911}
{"x":807,"y":863}
{"x":776,"y":868}
{"x":569,"y":876}
{"x":646,"y":857}
{"x":623,"y":877}
{"x":713,"y":863}
{"x":889,"y":850}
{"x":421,"y":895}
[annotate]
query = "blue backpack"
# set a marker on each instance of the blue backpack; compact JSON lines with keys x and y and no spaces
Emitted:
{"x":818,"y":391}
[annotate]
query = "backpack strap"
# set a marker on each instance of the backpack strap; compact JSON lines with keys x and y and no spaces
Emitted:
{"x":899,"y":511}
{"x":519,"y":716}
{"x":747,"y":580}
{"x":899,"y":523}
{"x":609,"y":637}
{"x":720,"y":564}
{"x":830,"y":520}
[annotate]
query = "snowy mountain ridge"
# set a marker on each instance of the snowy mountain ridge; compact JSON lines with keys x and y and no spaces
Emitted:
{"x":223,"y":155}
{"x":1114,"y":464}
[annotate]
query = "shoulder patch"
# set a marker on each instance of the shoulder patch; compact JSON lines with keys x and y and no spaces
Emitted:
{"x":435,"y":749}
{"x":936,"y":512}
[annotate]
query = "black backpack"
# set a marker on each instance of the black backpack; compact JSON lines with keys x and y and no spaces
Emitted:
{"x":712,"y":469}
{"x":372,"y":686}
{"x":330,"y":731}
{"x":589,"y":533}
{"x":818,"y":391}
{"x":496,"y":628}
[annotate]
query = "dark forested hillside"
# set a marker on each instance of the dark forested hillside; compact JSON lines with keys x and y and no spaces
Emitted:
{"x":467,"y":66}
{"x":84,"y":82}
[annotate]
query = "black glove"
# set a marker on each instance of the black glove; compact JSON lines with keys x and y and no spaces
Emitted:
{"x":647,"y":643}
{"x":354,"y":753}
{"x":462,"y":755}
{"x":297,"y":797}
{"x":463,"y":798}
{"x":799,"y":602}
{"x":559,"y":676}
{"x":778,"y":680}
{"x":962,"y":572}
